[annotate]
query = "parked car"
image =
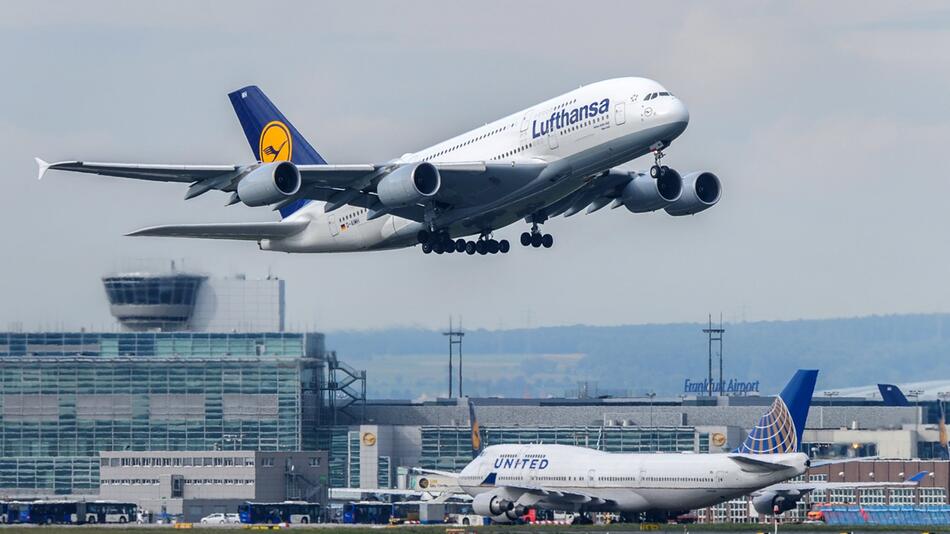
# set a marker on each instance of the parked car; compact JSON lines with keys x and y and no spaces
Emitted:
{"x":220,"y":519}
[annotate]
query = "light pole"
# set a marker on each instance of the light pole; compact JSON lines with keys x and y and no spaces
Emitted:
{"x":652,"y":394}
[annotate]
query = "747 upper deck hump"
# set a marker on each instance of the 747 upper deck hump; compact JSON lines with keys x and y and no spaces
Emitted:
{"x":558,"y":157}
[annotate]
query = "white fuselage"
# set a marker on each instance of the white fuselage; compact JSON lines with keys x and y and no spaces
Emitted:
{"x":625,"y":128}
{"x":619,"y":482}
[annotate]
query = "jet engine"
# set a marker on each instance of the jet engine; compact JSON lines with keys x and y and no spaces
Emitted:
{"x":409,"y":184}
{"x":510,"y":517}
{"x":269,"y":183}
{"x":643,"y":194}
{"x":771,"y":503}
{"x":701,"y":191}
{"x":499,"y":509}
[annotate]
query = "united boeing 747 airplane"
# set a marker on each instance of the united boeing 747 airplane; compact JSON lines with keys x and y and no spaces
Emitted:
{"x":506,"y":480}
{"x":554,"y":158}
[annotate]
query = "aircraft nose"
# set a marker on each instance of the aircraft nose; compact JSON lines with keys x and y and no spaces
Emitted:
{"x":676,"y":112}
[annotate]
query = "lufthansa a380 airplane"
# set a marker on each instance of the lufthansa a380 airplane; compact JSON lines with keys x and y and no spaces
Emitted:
{"x":506,"y":480}
{"x":554,"y":158}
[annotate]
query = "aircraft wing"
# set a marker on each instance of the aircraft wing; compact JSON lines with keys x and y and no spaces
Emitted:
{"x":597,"y":193}
{"x":463,"y":183}
{"x":533,"y":495}
{"x":808,"y":487}
{"x":750,"y":463}
{"x":248,"y":231}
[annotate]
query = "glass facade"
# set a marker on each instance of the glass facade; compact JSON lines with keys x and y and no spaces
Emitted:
{"x":66,"y":396}
{"x":450,"y":448}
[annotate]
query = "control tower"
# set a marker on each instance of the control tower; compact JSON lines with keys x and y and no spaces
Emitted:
{"x":153,"y":301}
{"x":171,"y":300}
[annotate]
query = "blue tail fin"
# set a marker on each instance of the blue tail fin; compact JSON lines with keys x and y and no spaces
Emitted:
{"x":892,"y":395}
{"x":780,"y":430}
{"x":272,"y":137}
{"x":476,"y":430}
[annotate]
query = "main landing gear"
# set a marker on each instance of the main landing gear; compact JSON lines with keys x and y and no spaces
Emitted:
{"x":441,"y":243}
{"x":536,"y":239}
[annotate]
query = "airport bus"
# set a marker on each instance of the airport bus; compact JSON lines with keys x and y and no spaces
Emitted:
{"x":47,"y":512}
{"x":252,"y":513}
{"x":368,"y":512}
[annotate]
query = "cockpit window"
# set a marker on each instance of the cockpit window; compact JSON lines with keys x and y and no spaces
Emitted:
{"x":664,"y":93}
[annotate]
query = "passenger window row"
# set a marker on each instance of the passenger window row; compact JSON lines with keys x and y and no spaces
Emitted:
{"x":513,"y":152}
{"x":465,"y":143}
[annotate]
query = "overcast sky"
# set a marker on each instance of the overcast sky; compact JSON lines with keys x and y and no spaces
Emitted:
{"x":828,"y":123}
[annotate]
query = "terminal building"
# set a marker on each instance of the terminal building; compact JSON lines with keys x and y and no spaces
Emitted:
{"x":64,"y":397}
{"x":201,"y":368}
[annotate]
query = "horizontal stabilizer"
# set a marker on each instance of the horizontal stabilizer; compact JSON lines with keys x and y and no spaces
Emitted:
{"x":754,"y":464}
{"x":247,"y":231}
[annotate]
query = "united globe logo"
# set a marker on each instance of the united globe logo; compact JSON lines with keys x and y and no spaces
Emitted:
{"x":773,"y":434}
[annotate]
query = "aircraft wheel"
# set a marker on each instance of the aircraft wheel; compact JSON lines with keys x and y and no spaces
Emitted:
{"x":448,"y":246}
{"x":470,"y":247}
{"x":547,"y":240}
{"x":504,"y":246}
{"x":481,"y":248}
{"x":423,"y":236}
{"x":426,"y":248}
{"x":459,"y":245}
{"x":492,"y":246}
{"x":437,"y":248}
{"x":536,"y":240}
{"x":525,"y":239}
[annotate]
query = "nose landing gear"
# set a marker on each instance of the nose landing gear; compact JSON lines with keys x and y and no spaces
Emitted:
{"x":658,"y":170}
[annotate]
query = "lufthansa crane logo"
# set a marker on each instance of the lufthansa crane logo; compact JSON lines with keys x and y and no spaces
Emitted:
{"x":276,"y":142}
{"x":369,"y":439}
{"x":718,"y":439}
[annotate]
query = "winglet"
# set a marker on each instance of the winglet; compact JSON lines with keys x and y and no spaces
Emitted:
{"x":919,"y":476}
{"x":44,"y":166}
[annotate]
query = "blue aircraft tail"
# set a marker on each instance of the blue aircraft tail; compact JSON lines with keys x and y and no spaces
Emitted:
{"x":272,"y":137}
{"x":892,"y":395}
{"x":780,"y":430}
{"x":476,"y":430}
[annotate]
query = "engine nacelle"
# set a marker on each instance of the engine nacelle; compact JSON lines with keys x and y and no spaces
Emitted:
{"x":771,"y":503}
{"x":269,"y":183}
{"x":512,"y":516}
{"x":492,"y":505}
{"x":409,"y":184}
{"x":701,"y":191}
{"x":643,"y":194}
